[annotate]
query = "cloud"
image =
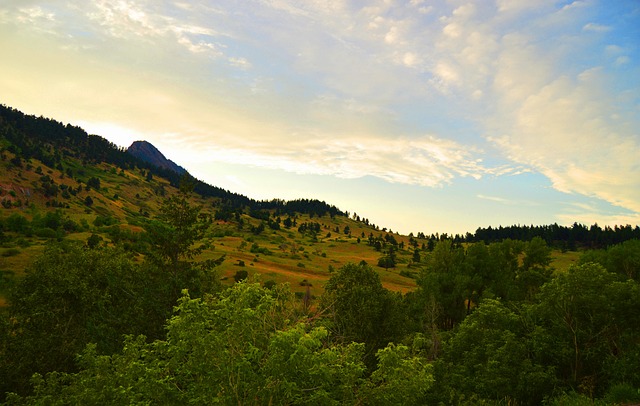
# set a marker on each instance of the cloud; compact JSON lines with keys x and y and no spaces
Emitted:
{"x":577,"y":127}
{"x":507,"y":201}
{"x":596,"y":27}
{"x":571,"y":131}
{"x":338,"y":88}
{"x":426,"y":161}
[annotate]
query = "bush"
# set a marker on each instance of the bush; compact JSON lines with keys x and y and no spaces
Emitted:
{"x":104,"y":221}
{"x":240,"y":276}
{"x":408,"y":274}
{"x":16,"y":223}
{"x":386,"y":262}
{"x":94,"y":183}
{"x":622,"y":394}
{"x":46,"y":233}
{"x":256,"y":249}
{"x":11,"y":252}
{"x":94,"y":241}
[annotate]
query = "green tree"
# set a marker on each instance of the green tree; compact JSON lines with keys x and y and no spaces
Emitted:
{"x":16,"y":223}
{"x":488,"y":357}
{"x":386,"y":262}
{"x":590,"y":324}
{"x":94,"y":183}
{"x":242,"y":347}
{"x":445,"y":282}
{"x":361,"y":309}
{"x":535,"y":270}
{"x":623,"y":259}
{"x":177,"y":238}
{"x":240,"y":276}
{"x":401,"y":378}
{"x":416,"y":256}
{"x":504,"y":266}
{"x":94,"y":241}
{"x":70,"y":297}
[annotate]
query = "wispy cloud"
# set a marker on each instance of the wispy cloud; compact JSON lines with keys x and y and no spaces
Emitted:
{"x":348,"y":89}
{"x":507,"y":201}
{"x":427,"y":161}
{"x":596,"y":27}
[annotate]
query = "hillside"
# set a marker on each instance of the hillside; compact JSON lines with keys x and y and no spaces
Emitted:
{"x":129,"y":247}
{"x":88,"y":185}
{"x":61,"y":183}
{"x":57,"y":182}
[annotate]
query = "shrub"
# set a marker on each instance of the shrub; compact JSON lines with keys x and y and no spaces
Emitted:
{"x":11,"y":252}
{"x":240,"y":276}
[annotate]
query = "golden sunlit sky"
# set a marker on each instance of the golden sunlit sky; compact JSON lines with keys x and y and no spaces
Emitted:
{"x":432,"y":116}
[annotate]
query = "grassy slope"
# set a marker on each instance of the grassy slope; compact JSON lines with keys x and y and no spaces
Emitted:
{"x":294,"y":258}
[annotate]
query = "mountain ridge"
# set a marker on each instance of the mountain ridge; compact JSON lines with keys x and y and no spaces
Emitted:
{"x":147,"y":152}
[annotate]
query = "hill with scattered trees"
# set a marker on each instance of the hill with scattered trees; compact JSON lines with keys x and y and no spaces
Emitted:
{"x":125,"y":282}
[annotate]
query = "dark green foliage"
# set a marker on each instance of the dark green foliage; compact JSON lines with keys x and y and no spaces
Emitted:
{"x":386,"y":262}
{"x":107,"y":220}
{"x":257,"y":230}
{"x":257,"y":249}
{"x":623,"y":259}
{"x":416,"y":256}
{"x":560,"y":236}
{"x":48,"y":186}
{"x":259,"y":214}
{"x":242,"y":347}
{"x":54,"y":224}
{"x":446,"y":282}
{"x":16,"y":161}
{"x":361,"y":309}
{"x":240,"y":276}
{"x":93,"y":183}
{"x":94,"y":241}
{"x":224,"y":214}
{"x":311,"y":229}
{"x":176,"y":238}
{"x":579,"y":334}
{"x":535,"y":268}
{"x":16,"y":223}
{"x":274,"y":224}
{"x":489,"y":357}
{"x":591,"y":325}
{"x":71,"y":297}
{"x":52,"y":220}
{"x":457,"y":279}
{"x":623,"y":393}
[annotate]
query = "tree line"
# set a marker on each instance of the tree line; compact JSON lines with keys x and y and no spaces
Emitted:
{"x":564,"y":237}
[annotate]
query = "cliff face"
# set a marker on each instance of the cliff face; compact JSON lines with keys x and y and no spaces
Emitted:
{"x":148,"y":153}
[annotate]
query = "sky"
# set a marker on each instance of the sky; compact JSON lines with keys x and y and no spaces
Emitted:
{"x":421,"y":116}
